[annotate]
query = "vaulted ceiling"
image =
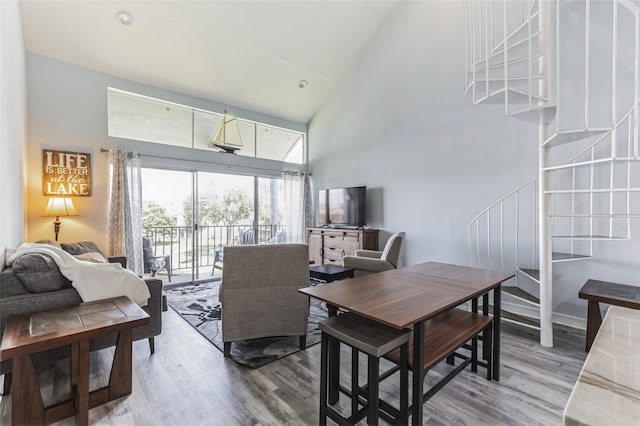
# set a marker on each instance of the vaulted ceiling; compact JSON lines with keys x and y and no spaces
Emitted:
{"x":249,"y":54}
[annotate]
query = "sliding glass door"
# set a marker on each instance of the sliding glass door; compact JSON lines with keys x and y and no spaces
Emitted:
{"x":167,"y":222}
{"x":225,"y":212}
{"x":192,"y":215}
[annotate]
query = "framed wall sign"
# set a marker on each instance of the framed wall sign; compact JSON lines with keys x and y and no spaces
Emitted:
{"x":66,"y":174}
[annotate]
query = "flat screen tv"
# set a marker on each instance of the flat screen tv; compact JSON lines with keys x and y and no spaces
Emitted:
{"x":343,"y":206}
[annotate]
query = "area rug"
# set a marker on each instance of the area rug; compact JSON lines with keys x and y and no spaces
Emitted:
{"x":199,"y":306}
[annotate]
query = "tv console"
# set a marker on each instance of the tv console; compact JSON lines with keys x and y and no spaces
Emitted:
{"x":327,"y":246}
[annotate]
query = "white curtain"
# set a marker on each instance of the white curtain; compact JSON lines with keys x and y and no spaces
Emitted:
{"x":124,"y":223}
{"x":298,"y":208}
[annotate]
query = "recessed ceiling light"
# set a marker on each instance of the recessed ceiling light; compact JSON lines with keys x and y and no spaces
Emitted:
{"x":302,"y":84}
{"x":124,"y":17}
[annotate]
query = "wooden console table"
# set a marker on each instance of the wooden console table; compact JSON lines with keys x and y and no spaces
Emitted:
{"x":616,"y":294}
{"x":75,"y":326}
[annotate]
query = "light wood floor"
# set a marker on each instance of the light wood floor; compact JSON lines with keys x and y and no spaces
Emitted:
{"x":188,"y":382}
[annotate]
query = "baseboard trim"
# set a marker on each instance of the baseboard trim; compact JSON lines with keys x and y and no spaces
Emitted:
{"x":558,"y":318}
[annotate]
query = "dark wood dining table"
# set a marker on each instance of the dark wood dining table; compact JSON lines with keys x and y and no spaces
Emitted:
{"x":409,"y":296}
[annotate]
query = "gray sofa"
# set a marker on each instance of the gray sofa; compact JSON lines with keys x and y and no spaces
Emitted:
{"x":34,"y":283}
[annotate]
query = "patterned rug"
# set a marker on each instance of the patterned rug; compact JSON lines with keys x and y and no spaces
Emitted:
{"x":199,"y":306}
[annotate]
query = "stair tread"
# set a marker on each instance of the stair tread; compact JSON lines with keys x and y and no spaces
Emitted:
{"x":555,"y":257}
{"x":533,"y":273}
{"x":513,"y":78}
{"x":568,"y":256}
{"x":603,"y":215}
{"x":510,"y":316}
{"x":481,"y":65}
{"x":521,"y":294}
{"x":517,"y":97}
{"x":518,"y":36}
{"x":587,"y":237}
{"x":542,"y":114}
{"x":567,"y":136}
{"x":588,"y":162}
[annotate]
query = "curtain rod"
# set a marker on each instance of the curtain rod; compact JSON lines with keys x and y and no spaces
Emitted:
{"x":208,"y":162}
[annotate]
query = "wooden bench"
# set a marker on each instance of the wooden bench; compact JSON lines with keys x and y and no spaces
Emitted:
{"x":444,"y":334}
{"x":595,"y":291}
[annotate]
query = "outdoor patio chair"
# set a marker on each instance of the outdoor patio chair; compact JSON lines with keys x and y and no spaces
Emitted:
{"x":280,"y":238}
{"x":244,"y":237}
{"x":152,"y":263}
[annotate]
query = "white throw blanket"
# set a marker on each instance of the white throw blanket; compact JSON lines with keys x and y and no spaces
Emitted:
{"x":93,"y":281}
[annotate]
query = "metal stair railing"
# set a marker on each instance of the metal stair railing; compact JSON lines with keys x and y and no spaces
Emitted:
{"x":590,"y":196}
{"x":495,"y":240}
{"x":503,"y":26}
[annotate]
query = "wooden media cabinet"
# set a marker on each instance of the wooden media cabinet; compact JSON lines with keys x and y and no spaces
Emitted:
{"x":327,"y":246}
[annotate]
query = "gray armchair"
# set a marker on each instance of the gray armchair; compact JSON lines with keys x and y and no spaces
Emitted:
{"x":370,"y":261}
{"x":259,"y":292}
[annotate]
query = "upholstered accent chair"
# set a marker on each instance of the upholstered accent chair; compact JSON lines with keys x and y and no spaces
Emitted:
{"x":259,"y":292}
{"x":370,"y":261}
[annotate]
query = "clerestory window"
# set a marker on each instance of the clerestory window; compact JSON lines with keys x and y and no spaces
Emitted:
{"x":142,"y":118}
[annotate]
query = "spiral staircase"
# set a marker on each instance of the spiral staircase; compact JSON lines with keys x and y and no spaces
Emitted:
{"x":572,"y":70}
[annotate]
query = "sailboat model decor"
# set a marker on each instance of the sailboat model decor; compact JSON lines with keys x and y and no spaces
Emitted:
{"x":227,"y":137}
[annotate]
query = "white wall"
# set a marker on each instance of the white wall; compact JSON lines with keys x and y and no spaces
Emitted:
{"x":12,"y":127}
{"x":401,"y":124}
{"x":67,"y":110}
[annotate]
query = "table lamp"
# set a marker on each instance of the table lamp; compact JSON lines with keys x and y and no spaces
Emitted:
{"x":59,"y":206}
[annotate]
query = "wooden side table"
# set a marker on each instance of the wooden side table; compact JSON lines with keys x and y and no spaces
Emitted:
{"x":595,"y":291}
{"x":75,"y":326}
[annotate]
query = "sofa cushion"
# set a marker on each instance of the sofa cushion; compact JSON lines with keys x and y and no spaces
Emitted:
{"x":10,"y":285}
{"x":39,"y":273}
{"x":82,"y":247}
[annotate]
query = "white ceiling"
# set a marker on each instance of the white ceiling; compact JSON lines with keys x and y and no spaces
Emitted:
{"x":250,"y":54}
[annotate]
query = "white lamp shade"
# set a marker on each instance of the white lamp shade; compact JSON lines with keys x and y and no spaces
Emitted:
{"x":60,"y":206}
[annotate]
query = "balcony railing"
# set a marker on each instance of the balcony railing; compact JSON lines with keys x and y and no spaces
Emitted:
{"x":178,"y":241}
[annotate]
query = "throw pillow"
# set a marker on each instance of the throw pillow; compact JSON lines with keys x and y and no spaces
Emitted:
{"x":39,"y":273}
{"x":82,"y":247}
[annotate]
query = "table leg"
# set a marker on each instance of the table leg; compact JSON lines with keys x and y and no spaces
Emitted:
{"x":486,"y":349}
{"x":418,"y":373}
{"x":120,"y":378}
{"x":594,"y":320}
{"x":27,"y":406}
{"x":334,"y":362}
{"x":82,"y":395}
{"x":497,"y":308}
{"x":73,"y":368}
